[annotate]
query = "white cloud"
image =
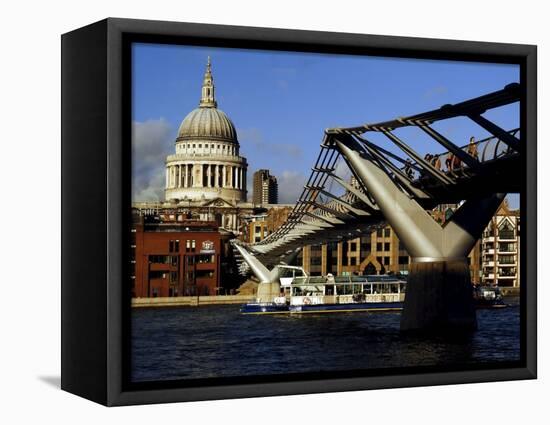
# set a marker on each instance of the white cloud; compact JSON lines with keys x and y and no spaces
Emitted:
{"x":151,"y":143}
{"x":253,"y":139}
{"x":291,"y":184}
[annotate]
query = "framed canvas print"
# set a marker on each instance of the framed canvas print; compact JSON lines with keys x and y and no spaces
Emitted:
{"x":253,"y":212}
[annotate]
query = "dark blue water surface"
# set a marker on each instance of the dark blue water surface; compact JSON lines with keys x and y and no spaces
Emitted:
{"x":217,"y":341}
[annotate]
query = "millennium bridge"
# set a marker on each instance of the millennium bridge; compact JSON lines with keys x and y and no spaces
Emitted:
{"x":398,"y":186}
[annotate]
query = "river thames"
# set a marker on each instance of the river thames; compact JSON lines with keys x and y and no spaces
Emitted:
{"x":217,"y":341}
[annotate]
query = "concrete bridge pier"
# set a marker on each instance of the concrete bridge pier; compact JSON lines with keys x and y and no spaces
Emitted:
{"x":269,"y":286}
{"x":439,"y":293}
{"x":439,"y":297}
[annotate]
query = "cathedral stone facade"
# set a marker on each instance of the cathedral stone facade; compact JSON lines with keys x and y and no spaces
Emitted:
{"x":206,"y":176}
{"x":207,"y":165}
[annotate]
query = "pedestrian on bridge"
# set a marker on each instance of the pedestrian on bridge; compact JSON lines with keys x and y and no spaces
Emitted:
{"x":436,"y":162}
{"x":472,"y":147}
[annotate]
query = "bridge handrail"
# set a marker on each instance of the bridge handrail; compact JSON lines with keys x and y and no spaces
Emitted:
{"x":450,"y":163}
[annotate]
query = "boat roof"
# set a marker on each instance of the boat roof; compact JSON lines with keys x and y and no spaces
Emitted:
{"x":301,"y":280}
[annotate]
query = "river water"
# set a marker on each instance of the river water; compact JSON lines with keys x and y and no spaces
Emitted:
{"x":217,"y":341}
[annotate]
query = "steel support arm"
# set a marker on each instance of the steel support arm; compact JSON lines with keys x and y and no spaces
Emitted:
{"x":496,"y":131}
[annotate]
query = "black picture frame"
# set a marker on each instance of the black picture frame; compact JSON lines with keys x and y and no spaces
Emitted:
{"x":95,"y":194}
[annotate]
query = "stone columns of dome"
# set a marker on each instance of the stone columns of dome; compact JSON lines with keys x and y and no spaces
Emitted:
{"x":207,"y":175}
{"x":217,"y":176}
{"x":241,"y":178}
{"x":167,"y":184}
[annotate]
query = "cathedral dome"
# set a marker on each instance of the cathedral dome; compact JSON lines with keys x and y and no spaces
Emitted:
{"x":207,"y":166}
{"x":207,"y":123}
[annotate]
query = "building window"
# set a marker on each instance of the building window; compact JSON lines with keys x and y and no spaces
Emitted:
{"x":205,"y":259}
{"x":387,"y":232}
{"x":204,"y":274}
{"x":193,"y":245}
{"x":315,"y":261}
{"x":353,"y":246}
{"x":506,"y":259}
{"x":353,"y":261}
{"x":380,"y":233}
{"x":365,"y":247}
{"x":174,"y":246}
{"x":379,"y":246}
{"x":159,"y":259}
{"x":387,"y":246}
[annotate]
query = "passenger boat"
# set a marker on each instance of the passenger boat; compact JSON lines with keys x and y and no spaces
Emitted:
{"x":316,"y":294}
{"x":302,"y":294}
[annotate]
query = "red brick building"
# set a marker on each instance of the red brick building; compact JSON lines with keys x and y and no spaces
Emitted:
{"x":171,"y":259}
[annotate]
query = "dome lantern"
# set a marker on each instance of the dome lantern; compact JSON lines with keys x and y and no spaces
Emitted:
{"x":208,"y":99}
{"x":207,"y":121}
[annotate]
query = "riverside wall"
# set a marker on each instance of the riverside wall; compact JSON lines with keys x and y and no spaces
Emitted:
{"x":191,"y":301}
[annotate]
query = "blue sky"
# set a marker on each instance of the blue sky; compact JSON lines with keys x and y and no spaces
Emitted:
{"x":281,"y":102}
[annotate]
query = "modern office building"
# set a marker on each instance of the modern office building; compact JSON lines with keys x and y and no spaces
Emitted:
{"x":265,"y":188}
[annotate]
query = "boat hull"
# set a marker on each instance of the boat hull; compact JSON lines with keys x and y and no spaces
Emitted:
{"x":320,"y":308}
{"x":272,"y":308}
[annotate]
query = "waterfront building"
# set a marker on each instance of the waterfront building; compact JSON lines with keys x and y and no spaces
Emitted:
{"x":265,"y":221}
{"x":170,"y":259}
{"x":265,"y":188}
{"x":257,"y":228}
{"x":500,"y":248}
{"x":381,"y":252}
